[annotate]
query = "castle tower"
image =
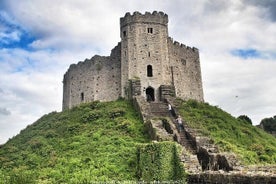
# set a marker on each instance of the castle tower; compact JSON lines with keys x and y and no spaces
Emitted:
{"x":144,"y":53}
{"x":147,"y":62}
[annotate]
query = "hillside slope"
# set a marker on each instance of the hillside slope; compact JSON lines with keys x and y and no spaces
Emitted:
{"x":92,"y":142}
{"x":99,"y":142}
{"x":251,"y":144}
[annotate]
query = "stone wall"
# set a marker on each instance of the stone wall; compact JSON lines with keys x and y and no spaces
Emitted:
{"x":166,"y":91}
{"x":186,"y":72}
{"x":230,"y":178}
{"x":97,"y":78}
{"x":145,"y":51}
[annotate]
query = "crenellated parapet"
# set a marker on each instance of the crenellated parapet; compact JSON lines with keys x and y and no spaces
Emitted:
{"x":153,"y":18}
{"x":181,"y":46}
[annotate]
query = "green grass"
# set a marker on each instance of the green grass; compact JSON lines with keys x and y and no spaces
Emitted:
{"x":101,"y":141}
{"x":92,"y":142}
{"x":251,"y":144}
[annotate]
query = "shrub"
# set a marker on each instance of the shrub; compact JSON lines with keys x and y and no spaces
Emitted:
{"x":159,"y":162}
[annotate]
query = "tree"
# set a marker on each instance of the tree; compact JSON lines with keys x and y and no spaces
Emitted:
{"x":245,"y":119}
{"x":269,"y":124}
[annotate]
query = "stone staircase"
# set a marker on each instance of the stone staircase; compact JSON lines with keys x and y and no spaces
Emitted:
{"x":185,"y":141}
{"x":159,"y":109}
{"x":189,"y":153}
{"x":199,"y":154}
{"x":202,"y":160}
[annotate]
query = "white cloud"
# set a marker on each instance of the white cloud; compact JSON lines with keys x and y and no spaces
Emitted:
{"x":7,"y":37}
{"x":240,"y":86}
{"x":4,"y":111}
{"x":68,"y":31}
{"x":31,"y":85}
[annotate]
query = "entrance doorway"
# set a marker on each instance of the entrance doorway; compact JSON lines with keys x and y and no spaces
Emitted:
{"x":150,"y":94}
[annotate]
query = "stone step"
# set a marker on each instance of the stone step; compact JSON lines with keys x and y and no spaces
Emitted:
{"x":159,"y":109}
{"x":191,"y":163}
{"x":184,"y":141}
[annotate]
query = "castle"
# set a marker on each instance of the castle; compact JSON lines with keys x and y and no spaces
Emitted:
{"x":146,"y":62}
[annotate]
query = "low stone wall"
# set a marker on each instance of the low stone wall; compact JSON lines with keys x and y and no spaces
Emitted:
{"x":141,"y":106}
{"x":229,"y":178}
{"x":166,"y":91}
{"x":157,"y":131}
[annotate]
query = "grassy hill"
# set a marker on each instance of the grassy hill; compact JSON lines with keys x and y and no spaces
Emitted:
{"x":104,"y":142}
{"x":251,"y":144}
{"x":92,"y":142}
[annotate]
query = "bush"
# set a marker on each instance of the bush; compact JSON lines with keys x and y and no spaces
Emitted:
{"x":245,"y":118}
{"x":159,"y":162}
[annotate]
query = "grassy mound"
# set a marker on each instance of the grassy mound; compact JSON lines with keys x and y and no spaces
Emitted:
{"x":91,"y":142}
{"x":251,"y":144}
{"x":105,"y":142}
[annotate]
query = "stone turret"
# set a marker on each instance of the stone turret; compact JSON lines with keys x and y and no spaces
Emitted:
{"x":145,"y":52}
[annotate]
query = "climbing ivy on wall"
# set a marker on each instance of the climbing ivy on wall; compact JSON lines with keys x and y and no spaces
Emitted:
{"x":159,"y":162}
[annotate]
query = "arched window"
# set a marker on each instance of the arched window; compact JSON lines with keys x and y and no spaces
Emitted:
{"x":82,"y":96}
{"x":149,"y":71}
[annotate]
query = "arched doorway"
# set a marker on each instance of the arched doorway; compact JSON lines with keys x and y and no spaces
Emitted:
{"x":150,"y":94}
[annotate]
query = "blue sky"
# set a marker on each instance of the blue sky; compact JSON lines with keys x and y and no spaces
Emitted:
{"x":253,"y":54}
{"x":12,"y":34}
{"x":39,"y":39}
{"x":247,"y":53}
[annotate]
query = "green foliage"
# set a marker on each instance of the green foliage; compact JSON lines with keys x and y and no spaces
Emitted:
{"x":18,"y":176}
{"x":245,"y":118}
{"x":250,"y":143}
{"x":91,"y":142}
{"x":269,"y":124}
{"x":159,"y":162}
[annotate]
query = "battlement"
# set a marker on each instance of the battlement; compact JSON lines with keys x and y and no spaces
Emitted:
{"x":153,"y":18}
{"x":176,"y":44}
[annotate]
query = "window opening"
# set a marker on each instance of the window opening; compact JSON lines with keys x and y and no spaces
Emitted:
{"x":150,"y":30}
{"x":183,"y":61}
{"x":149,"y":71}
{"x":82,"y":96}
{"x":124,"y":33}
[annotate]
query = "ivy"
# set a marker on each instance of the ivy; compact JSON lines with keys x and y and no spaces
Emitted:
{"x":159,"y":162}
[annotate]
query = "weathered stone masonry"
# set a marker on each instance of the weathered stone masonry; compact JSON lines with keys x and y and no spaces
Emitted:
{"x":147,"y":62}
{"x":95,"y":79}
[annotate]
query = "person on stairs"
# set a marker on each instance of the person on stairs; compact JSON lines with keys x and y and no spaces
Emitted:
{"x":171,"y":110}
{"x":180,"y":123}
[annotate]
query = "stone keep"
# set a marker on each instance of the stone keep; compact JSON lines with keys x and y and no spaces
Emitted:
{"x":147,"y":62}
